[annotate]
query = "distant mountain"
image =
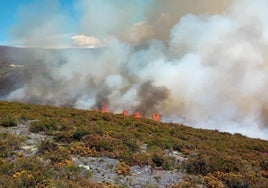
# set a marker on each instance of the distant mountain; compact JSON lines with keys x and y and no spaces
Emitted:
{"x":10,"y":76}
{"x":16,"y":63}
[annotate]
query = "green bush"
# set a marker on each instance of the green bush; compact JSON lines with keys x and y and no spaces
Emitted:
{"x":80,"y":132}
{"x":26,"y":172}
{"x":264,"y":165}
{"x":64,"y":137}
{"x":8,"y":144}
{"x":46,"y":125}
{"x":52,"y":151}
{"x":131,"y":144}
{"x":196,"y":165}
{"x":142,"y":159}
{"x":8,"y":121}
{"x":47,"y":146}
{"x":233,"y":180}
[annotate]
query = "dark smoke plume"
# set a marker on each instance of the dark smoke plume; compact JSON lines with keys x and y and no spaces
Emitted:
{"x":151,"y":98}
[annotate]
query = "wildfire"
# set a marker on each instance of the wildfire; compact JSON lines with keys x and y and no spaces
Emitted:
{"x":124,"y":112}
{"x":104,"y":107}
{"x":156,"y":116}
{"x":136,"y":115}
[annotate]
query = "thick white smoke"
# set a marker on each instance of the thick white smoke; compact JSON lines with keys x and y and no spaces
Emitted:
{"x":212,"y":72}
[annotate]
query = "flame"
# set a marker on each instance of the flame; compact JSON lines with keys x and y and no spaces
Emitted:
{"x":156,"y":117}
{"x":104,"y":107}
{"x":124,"y":112}
{"x":136,"y":115}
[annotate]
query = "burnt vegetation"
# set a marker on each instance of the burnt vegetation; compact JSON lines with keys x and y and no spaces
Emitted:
{"x":213,"y":158}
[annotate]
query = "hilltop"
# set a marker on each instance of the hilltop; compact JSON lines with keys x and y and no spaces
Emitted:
{"x":56,"y":146}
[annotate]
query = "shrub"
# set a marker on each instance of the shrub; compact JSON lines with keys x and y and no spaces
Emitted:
{"x":47,"y":146}
{"x":52,"y":151}
{"x":28,"y":172}
{"x":23,"y":119}
{"x":65,"y":137}
{"x":46,"y":125}
{"x":264,"y":165}
{"x":8,"y":121}
{"x":160,"y":160}
{"x":142,"y":159}
{"x":131,"y":144}
{"x":7,"y":181}
{"x":210,"y":162}
{"x":8,"y":144}
{"x":75,"y":172}
{"x":233,"y":180}
{"x":184,"y":184}
{"x":80,"y":148}
{"x":80,"y":132}
{"x":33,"y":172}
{"x":103,"y":143}
{"x":212,"y":182}
{"x":195,"y":165}
{"x":122,"y":168}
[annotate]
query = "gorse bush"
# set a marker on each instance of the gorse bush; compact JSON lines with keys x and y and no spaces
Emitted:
{"x":33,"y":172}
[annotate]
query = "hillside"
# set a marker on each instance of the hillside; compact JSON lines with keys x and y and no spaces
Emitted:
{"x":11,"y":77}
{"x":18,"y":64}
{"x":51,"y":146}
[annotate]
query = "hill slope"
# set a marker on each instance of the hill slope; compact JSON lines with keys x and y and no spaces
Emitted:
{"x":202,"y":157}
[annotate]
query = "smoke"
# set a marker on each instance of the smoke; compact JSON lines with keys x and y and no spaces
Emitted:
{"x":150,"y":98}
{"x":206,"y":67}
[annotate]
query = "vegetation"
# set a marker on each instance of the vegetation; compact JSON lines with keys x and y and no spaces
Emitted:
{"x":8,"y":120}
{"x":45,"y":169}
{"x":218,"y":159}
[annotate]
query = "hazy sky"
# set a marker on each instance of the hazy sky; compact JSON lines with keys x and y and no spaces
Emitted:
{"x":9,"y":14}
{"x":90,"y":22}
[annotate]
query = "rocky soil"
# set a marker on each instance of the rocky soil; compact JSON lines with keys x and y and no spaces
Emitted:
{"x":104,"y":169}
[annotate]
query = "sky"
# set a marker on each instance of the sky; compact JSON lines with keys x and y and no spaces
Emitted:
{"x":8,"y":17}
{"x":89,"y":23}
{"x":9,"y":12}
{"x":14,"y":10}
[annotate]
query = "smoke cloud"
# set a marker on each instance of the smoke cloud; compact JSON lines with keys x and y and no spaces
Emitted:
{"x":206,"y":66}
{"x":150,"y":98}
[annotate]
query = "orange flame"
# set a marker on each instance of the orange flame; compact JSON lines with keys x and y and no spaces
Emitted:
{"x":124,"y":112}
{"x":156,"y":116}
{"x":136,"y":115}
{"x":104,"y":107}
